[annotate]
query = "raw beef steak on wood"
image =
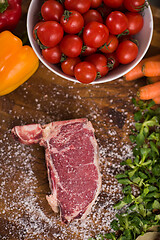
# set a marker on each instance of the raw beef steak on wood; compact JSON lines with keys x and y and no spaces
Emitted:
{"x":72,"y":164}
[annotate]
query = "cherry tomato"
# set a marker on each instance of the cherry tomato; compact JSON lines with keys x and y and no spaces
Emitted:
{"x":95,"y":3}
{"x":71,"y":45}
{"x":121,"y":8}
{"x":52,"y":55}
{"x":135,"y":22}
{"x":85,"y":72}
{"x":125,"y":37}
{"x":86,"y":51}
{"x":111,"y":44}
{"x":117,"y":22}
{"x":50,"y":33}
{"x":134,"y":5}
{"x":69,"y":64}
{"x":126,"y":52}
{"x":72,"y":21}
{"x":95,"y":34}
{"x":52,"y":10}
{"x":104,"y":11}
{"x":91,"y":16}
{"x":81,"y":6}
{"x":113,"y":3}
{"x":18,"y":1}
{"x":35,"y":28}
{"x":100,"y":62}
{"x":112,"y":60}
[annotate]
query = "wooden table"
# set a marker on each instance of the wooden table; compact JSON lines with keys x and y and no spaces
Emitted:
{"x":45,"y":97}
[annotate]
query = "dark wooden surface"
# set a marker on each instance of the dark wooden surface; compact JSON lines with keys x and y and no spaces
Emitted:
{"x":45,"y":97}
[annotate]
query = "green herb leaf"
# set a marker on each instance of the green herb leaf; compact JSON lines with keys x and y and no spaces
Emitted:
{"x":156,"y":204}
{"x":152,"y":188}
{"x":154,"y":147}
{"x":139,"y":210}
{"x":154,"y":136}
{"x":115,"y":225}
{"x":132,"y":138}
{"x":127,"y":189}
{"x":138,"y":116}
{"x":120,"y":205}
{"x":140,"y":139}
{"x":124,"y":181}
{"x":110,"y":236}
{"x":138,"y":126}
{"x":156,"y":170}
{"x":118,"y":176}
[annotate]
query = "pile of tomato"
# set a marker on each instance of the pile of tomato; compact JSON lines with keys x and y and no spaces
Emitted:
{"x":89,"y":38}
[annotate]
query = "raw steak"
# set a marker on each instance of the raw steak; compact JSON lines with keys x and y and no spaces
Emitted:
{"x":72,"y":162}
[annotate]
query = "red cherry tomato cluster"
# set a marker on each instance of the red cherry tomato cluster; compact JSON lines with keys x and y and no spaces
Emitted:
{"x":89,"y":38}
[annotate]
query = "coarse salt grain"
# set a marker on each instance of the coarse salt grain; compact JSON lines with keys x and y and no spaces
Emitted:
{"x":23,"y":200}
{"x":39,"y":222}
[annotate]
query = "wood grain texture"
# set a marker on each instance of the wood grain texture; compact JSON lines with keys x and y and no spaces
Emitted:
{"x":45,"y":97}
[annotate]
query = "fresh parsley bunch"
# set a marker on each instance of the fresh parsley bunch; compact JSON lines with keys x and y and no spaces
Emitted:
{"x":141,"y":208}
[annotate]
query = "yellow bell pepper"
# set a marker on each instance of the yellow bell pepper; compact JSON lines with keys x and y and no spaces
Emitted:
{"x":17,"y":62}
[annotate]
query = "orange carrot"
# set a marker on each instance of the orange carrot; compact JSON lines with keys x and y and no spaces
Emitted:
{"x":151,"y":68}
{"x":157,"y":100}
{"x":150,"y":91}
{"x":136,"y":72}
{"x":153,"y":79}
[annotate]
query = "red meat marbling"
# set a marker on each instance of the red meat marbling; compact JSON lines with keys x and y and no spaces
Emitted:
{"x":71,"y":153}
